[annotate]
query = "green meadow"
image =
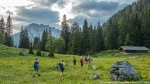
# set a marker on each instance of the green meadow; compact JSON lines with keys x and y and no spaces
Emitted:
{"x":16,"y":69}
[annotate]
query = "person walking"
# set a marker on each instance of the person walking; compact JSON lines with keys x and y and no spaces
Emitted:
{"x":61,"y":66}
{"x":86,"y":59}
{"x":36,"y":67}
{"x":74,"y":62}
{"x":81,"y":62}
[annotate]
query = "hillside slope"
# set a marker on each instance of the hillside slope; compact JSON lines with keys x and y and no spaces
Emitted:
{"x":6,"y":51}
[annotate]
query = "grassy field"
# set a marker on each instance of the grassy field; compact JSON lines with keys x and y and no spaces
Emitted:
{"x":15,"y":69}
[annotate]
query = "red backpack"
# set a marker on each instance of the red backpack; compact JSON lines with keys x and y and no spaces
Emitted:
{"x":81,"y":60}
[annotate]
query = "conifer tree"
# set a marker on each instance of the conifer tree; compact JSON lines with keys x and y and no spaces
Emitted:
{"x":128,"y":41}
{"x":36,"y":40}
{"x":111,"y":36}
{"x":31,"y":48}
{"x":99,"y":40}
{"x":85,"y":38}
{"x":145,"y":26}
{"x":44,"y":40}
{"x":75,"y":39}
{"x":91,"y":37}
{"x":24,"y":39}
{"x":2,"y":38}
{"x":8,"y":34}
{"x":2,"y":25}
{"x":65,"y":33}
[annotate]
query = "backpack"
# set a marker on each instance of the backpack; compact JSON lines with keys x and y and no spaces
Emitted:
{"x":61,"y":65}
{"x":81,"y":60}
{"x":74,"y":60}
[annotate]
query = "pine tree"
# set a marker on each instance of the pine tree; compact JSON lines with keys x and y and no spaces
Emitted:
{"x":24,"y":39}
{"x":8,"y":34}
{"x":111,"y":36}
{"x":2,"y":31}
{"x":2,"y":37}
{"x":99,"y":40}
{"x":2,"y":25}
{"x":31,"y":48}
{"x":44,"y":40}
{"x":91,"y":37}
{"x":145,"y":27}
{"x":128,"y":41}
{"x":134,"y":30}
{"x":65,"y":34}
{"x":36,"y":40}
{"x":85,"y":38}
{"x":75,"y":39}
{"x":123,"y":30}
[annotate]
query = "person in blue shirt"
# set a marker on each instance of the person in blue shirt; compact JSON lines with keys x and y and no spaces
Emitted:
{"x":61,"y":66}
{"x":36,"y":67}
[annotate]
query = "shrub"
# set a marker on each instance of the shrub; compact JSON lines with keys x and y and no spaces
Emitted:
{"x":38,"y":53}
{"x":51,"y":54}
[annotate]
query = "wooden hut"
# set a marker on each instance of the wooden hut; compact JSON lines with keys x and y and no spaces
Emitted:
{"x":132,"y":49}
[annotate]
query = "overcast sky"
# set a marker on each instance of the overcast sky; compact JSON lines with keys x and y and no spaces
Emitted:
{"x":50,"y":12}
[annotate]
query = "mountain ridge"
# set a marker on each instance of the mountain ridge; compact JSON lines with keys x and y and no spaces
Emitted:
{"x":36,"y":30}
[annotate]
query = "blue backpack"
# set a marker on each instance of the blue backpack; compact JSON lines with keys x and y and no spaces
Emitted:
{"x":61,"y":65}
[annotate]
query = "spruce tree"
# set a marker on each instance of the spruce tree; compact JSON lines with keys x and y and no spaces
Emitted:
{"x":2,"y":38}
{"x":65,"y":33}
{"x":36,"y":40}
{"x":85,"y":38}
{"x":31,"y":48}
{"x":128,"y":41}
{"x":99,"y":40}
{"x":8,"y":34}
{"x":24,"y":39}
{"x":91,"y":37}
{"x":145,"y":27}
{"x":111,"y":36}
{"x":75,"y":39}
{"x":44,"y":40}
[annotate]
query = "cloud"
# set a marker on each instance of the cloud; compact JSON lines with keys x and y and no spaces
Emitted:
{"x":80,"y":19}
{"x":50,"y":3}
{"x":94,"y":11}
{"x":9,"y":12}
{"x":2,"y":7}
{"x":94,"y":5}
{"x":36,"y":15}
{"x":44,"y":2}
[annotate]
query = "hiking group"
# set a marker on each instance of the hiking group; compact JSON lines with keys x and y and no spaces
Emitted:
{"x":61,"y":65}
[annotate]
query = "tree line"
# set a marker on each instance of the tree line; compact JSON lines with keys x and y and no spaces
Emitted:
{"x":129,"y":27}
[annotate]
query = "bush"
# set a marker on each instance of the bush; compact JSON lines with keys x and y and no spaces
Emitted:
{"x":51,"y":54}
{"x":38,"y":53}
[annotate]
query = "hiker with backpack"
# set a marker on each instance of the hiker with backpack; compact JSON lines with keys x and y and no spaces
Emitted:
{"x":81,"y":62}
{"x":74,"y":62}
{"x":86,"y":59}
{"x":89,"y":60}
{"x":61,"y":66}
{"x":36,"y":67}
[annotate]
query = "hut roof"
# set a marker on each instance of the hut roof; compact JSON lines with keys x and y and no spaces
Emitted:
{"x":138,"y":48}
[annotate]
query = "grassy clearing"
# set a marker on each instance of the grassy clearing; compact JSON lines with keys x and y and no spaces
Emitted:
{"x":15,"y":69}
